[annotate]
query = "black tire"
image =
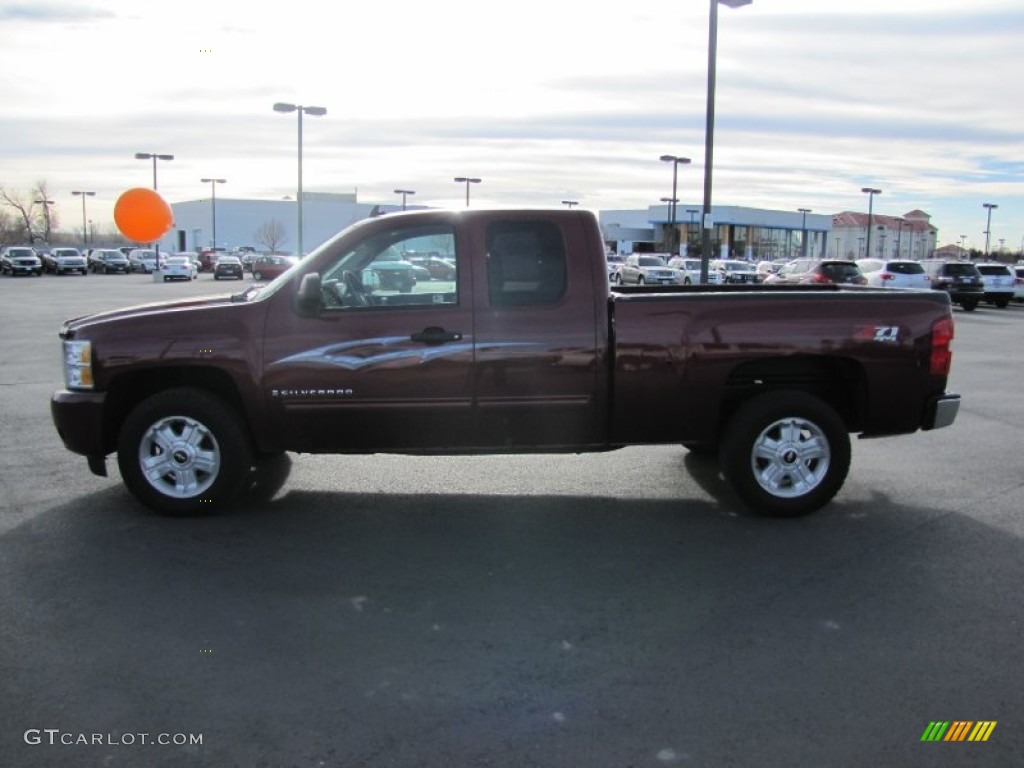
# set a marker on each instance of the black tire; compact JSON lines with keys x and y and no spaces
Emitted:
{"x":1003,"y":303}
{"x":257,"y":275}
{"x":640,"y":280}
{"x":205,"y":445}
{"x":703,"y":450}
{"x":786,"y":453}
{"x":969,"y":306}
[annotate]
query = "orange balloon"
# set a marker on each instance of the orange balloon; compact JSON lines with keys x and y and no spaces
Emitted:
{"x":142,"y":215}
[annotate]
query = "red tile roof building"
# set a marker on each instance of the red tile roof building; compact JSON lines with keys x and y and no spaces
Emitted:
{"x":910,"y":236}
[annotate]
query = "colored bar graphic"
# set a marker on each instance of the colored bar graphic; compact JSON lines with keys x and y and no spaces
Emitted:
{"x":982,"y":730}
{"x":958,"y":730}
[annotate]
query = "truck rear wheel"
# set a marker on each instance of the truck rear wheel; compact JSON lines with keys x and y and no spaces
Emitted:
{"x":184,"y":452}
{"x":786,"y":453}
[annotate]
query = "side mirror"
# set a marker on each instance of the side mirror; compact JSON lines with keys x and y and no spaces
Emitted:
{"x":307,"y":300}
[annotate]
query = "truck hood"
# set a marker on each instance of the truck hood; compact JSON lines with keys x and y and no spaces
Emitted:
{"x":74,"y":325}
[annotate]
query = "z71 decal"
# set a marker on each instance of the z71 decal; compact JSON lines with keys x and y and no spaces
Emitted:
{"x":887,"y":334}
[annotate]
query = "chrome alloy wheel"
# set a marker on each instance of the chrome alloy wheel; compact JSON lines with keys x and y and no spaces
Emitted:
{"x":179,"y":457}
{"x":791,"y":457}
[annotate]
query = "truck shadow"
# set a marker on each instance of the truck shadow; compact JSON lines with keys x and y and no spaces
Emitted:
{"x":468,"y":626}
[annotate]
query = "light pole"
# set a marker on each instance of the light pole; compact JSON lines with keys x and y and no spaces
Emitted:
{"x":803,"y":231}
{"x":670,"y":205}
{"x":213,"y":200}
{"x":301,"y":110}
{"x":85,"y":222}
{"x":963,"y":250}
{"x":467,"y":180}
{"x":46,"y":203}
{"x":988,"y":225}
{"x":404,"y":193}
{"x":881,"y":242}
{"x":709,"y":131}
{"x":570,"y":203}
{"x":676,"y":162}
{"x":154,"y":156}
{"x":870,"y":192}
{"x":689,"y":232}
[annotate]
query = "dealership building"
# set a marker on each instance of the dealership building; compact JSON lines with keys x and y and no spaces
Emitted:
{"x":736,"y":232}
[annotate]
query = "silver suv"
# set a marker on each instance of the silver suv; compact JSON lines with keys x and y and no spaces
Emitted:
{"x":20,"y":260}
{"x":61,"y":260}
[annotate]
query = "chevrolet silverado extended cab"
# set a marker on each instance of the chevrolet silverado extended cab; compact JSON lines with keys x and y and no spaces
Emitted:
{"x":526,"y":349}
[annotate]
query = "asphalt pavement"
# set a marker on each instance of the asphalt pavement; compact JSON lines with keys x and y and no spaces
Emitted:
{"x":620,"y":609}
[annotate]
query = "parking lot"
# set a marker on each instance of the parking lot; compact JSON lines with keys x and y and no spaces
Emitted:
{"x":619,"y":609}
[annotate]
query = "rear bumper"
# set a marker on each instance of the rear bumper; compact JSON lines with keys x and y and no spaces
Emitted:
{"x":941,"y":411}
{"x":78,"y":417}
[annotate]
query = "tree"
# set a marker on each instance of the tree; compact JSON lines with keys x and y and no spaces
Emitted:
{"x":271,"y":235}
{"x":35,"y":219}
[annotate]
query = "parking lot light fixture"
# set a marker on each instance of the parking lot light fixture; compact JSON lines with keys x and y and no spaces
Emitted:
{"x":570,"y":203}
{"x":467,"y":180}
{"x":988,"y":224}
{"x":213,"y":201}
{"x":404,"y":193}
{"x":709,"y":132}
{"x":85,"y":221}
{"x":870,"y":192}
{"x":154,"y":156}
{"x":284,"y":107}
{"x":672,"y":218}
{"x":803,"y":231}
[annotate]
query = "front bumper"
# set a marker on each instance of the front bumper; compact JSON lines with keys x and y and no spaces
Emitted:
{"x":78,"y":417}
{"x":941,"y":411}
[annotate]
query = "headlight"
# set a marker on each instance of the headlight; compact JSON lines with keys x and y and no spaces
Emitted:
{"x":78,"y":364}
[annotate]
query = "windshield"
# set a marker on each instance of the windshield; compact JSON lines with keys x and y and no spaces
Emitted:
{"x":650,"y":261}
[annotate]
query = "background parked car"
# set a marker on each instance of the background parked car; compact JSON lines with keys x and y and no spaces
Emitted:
{"x":997,"y":280}
{"x":894,"y":274}
{"x":390,"y":273}
{"x":1018,"y":282}
{"x":108,"y":260}
{"x":60,"y":261}
{"x":228,"y":266}
{"x":269,"y":267}
{"x":20,"y":260}
{"x":647,"y":269}
{"x":736,"y":271}
{"x":437,"y":268}
{"x":960,"y":279}
{"x":142,"y":260}
{"x":690,"y":270}
{"x":815,"y":271}
{"x":208,"y":258}
{"x":176,"y":267}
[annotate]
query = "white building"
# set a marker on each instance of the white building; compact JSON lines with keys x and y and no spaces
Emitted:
{"x":239,"y":222}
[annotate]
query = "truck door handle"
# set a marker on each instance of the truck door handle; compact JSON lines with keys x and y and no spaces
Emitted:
{"x":435,"y":335}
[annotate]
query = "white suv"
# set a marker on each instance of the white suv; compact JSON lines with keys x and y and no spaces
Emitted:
{"x":998,"y":280}
{"x":690,"y":268}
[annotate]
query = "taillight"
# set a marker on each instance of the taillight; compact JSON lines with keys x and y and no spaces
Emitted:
{"x":941,"y":356}
{"x":819,"y":278}
{"x":886,"y":276}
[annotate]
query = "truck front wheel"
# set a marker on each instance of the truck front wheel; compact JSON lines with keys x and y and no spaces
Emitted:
{"x":184,"y":451}
{"x":786,"y":453}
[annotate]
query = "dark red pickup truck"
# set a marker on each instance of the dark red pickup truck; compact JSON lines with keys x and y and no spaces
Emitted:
{"x":527,"y":349}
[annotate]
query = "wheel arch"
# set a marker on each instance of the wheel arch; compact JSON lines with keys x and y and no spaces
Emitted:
{"x":839,"y":381}
{"x":131,"y":388}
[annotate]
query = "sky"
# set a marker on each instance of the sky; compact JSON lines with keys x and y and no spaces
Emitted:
{"x":544,"y":101}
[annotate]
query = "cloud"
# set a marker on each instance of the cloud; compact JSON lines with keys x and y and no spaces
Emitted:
{"x":50,"y":12}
